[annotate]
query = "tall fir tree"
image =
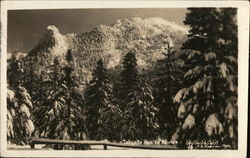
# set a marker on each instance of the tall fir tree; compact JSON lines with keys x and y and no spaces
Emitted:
{"x":44,"y":101}
{"x":20,"y":127}
{"x":204,"y":28}
{"x":140,"y":120}
{"x":32,"y":82}
{"x":61,"y":111}
{"x":103,"y":116}
{"x":110,"y":120}
{"x":11,"y":106}
{"x":129,"y":77}
{"x":15,"y":73}
{"x":208,"y":101}
{"x":19,"y":106}
{"x":166,"y":83}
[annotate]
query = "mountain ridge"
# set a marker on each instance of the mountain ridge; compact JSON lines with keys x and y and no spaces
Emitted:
{"x":148,"y":38}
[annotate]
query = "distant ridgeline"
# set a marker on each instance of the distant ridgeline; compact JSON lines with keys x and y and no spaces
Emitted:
{"x":147,"y":38}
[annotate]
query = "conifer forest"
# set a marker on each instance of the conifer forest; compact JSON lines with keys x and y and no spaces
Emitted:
{"x":130,"y":82}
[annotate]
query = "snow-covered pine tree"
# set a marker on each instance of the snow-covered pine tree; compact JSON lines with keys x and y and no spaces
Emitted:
{"x":75,"y":111}
{"x":140,"y":120}
{"x":45,"y":98}
{"x":129,"y":77}
{"x":14,"y":68}
{"x":11,"y":106}
{"x":60,"y":114}
{"x":103,"y":116}
{"x":32,"y":81}
{"x":166,"y":84}
{"x":110,"y":123}
{"x":19,"y":124}
{"x":140,"y":114}
{"x":15,"y":73}
{"x":228,"y":45}
{"x":23,"y":125}
{"x":208,"y":101}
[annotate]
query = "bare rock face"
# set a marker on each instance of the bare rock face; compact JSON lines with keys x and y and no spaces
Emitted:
{"x":147,"y":38}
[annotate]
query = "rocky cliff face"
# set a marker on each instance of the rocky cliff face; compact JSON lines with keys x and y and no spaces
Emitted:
{"x":148,"y":38}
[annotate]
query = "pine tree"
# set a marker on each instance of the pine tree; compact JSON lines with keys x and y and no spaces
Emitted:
{"x":110,"y":120}
{"x":25,"y":126}
{"x":204,"y":27}
{"x":61,"y":111}
{"x":47,"y":97}
{"x":11,"y":106}
{"x":32,"y":81}
{"x":208,"y":101}
{"x":166,"y":84}
{"x":15,"y":73}
{"x":140,"y":114}
{"x":103,"y":115}
{"x":129,"y":77}
{"x":19,"y":124}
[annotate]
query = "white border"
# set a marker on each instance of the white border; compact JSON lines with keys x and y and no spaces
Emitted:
{"x":243,"y":23}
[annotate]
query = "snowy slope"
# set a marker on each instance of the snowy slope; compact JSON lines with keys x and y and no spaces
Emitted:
{"x":148,"y":38}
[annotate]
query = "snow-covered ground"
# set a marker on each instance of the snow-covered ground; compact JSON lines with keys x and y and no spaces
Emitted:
{"x":40,"y":147}
{"x":161,"y":142}
{"x":26,"y":147}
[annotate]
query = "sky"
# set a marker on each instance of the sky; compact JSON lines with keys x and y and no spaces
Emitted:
{"x":25,"y":27}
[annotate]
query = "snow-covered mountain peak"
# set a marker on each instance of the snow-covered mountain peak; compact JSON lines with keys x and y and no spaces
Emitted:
{"x":153,"y":23}
{"x":53,"y":29}
{"x":52,"y":41}
{"x":148,"y":38}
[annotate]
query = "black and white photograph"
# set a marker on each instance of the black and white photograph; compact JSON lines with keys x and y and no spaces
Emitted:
{"x":124,"y":79}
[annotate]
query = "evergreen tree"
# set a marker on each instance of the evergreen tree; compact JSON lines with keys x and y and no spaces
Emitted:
{"x":166,"y":84}
{"x":103,"y":115}
{"x":208,"y":101}
{"x":11,"y":106}
{"x":15,"y":73}
{"x":129,"y":77}
{"x":61,"y":111}
{"x":204,"y":28}
{"x":19,"y":124}
{"x":44,"y":101}
{"x":140,"y":114}
{"x":32,"y":81}
{"x":110,"y":123}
